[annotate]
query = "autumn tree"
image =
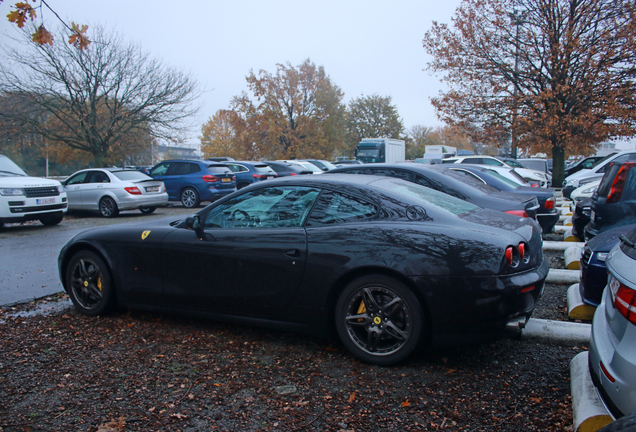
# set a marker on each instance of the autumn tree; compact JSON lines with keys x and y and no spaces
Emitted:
{"x":293,"y":113}
{"x":220,"y":136}
{"x":372,"y":117}
{"x":91,"y":99}
{"x":556,"y":75}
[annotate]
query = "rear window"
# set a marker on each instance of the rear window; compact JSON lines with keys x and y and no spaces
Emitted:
{"x":219,"y":169}
{"x":504,"y":179}
{"x":130,"y":175}
{"x":264,"y":169}
{"x":426,"y":196}
{"x":606,"y":183}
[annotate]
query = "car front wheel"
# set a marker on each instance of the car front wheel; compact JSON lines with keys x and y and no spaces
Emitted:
{"x":52,"y":220}
{"x":89,"y":284}
{"x":190,"y":198}
{"x":379,"y":319}
{"x":108,"y":207}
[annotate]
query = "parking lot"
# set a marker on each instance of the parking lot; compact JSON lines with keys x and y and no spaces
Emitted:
{"x":151,"y":372}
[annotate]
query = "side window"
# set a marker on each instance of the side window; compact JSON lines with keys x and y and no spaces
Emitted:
{"x":404,"y":175}
{"x":274,"y":207}
{"x":492,"y":162}
{"x":98,"y":177}
{"x":473,"y":161}
{"x":78,"y":178}
{"x":468,"y":176}
{"x":421,"y":180}
{"x":335,"y":208}
{"x":160,"y":170}
{"x":179,"y":168}
{"x":194,"y":168}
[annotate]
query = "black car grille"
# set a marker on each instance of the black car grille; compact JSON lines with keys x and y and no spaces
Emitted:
{"x":41,"y":192}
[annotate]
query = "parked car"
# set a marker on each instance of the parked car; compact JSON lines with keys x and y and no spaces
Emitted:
{"x":585,"y":176}
{"x":220,"y":159}
{"x":307,"y":165}
{"x":387,"y":263}
{"x":537,"y":164}
{"x":284,"y":169}
{"x":585,"y":163}
{"x":446,"y":181}
{"x":322,"y":164}
{"x":581,"y":217}
{"x":543,"y":179}
{"x":614,"y":202}
{"x":496,"y":177}
{"x":193,"y":181}
{"x":24,"y":198}
{"x":612,"y":356}
{"x":347,"y":162}
{"x":247,"y":173}
{"x":585,"y":191}
{"x":110,"y":190}
{"x":593,"y":269}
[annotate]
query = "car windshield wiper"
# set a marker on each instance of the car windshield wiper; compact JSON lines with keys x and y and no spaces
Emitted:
{"x":627,"y":241}
{"x":11,"y":172}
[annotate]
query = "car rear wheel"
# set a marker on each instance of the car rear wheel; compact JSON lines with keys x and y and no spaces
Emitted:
{"x":147,"y":210}
{"x":108,"y":207}
{"x":379,"y":319}
{"x":190,"y":198}
{"x":89,"y":284}
{"x":52,"y":220}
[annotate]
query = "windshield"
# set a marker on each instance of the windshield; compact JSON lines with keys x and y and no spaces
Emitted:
{"x":426,"y":195}
{"x":9,"y":168}
{"x":369,"y":153}
{"x":502,"y":178}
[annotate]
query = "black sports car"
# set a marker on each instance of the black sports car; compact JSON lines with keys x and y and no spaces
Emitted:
{"x":386,"y":262}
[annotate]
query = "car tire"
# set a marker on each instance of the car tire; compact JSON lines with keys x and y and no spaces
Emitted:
{"x":89,"y":284}
{"x":52,"y":220}
{"x":623,"y":424}
{"x":372,"y":332}
{"x":147,"y":210}
{"x":108,"y":207}
{"x":190,"y":198}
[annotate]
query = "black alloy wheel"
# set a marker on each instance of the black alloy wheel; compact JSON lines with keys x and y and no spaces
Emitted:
{"x":190,"y":198}
{"x":147,"y":210}
{"x":108,"y":207}
{"x":89,"y":284}
{"x":379,"y":319}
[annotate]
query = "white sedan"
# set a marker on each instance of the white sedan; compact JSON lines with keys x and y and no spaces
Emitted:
{"x":111,"y":190}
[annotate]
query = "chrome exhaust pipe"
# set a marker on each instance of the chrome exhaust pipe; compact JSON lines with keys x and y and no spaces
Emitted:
{"x":516,"y":324}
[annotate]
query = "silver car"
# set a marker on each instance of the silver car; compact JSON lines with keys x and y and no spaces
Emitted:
{"x":613,"y":341}
{"x":111,"y":190}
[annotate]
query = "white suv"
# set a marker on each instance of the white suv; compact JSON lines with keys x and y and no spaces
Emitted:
{"x":24,"y":198}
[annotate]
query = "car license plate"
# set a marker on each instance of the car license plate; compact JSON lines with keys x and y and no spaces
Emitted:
{"x":613,"y":284}
{"x":152,"y":189}
{"x":270,"y":177}
{"x":45,"y":201}
{"x":226,"y":180}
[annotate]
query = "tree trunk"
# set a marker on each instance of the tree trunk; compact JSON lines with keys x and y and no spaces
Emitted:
{"x":558,"y":165}
{"x":98,"y":159}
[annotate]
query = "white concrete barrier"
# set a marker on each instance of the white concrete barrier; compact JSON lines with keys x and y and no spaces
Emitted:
{"x":560,"y":276}
{"x":577,"y":309}
{"x":572,"y":257}
{"x":564,"y":332}
{"x":588,"y":411}
{"x":560,"y":246}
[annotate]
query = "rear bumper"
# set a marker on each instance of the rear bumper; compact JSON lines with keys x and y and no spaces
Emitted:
{"x":136,"y":201}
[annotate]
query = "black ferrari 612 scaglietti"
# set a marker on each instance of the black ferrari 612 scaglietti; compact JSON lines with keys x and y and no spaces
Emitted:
{"x":383,"y":262}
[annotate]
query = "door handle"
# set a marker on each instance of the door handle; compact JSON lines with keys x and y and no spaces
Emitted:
{"x":293,"y":253}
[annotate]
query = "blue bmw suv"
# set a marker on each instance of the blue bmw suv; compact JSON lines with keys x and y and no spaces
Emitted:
{"x":193,"y":181}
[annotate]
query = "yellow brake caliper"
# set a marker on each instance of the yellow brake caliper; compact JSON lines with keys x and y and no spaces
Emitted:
{"x":99,"y":282}
{"x":361,"y":309}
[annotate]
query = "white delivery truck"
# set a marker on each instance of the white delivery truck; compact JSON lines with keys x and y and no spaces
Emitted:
{"x":387,"y":150}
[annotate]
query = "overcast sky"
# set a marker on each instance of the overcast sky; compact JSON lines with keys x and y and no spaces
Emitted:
{"x":366,"y":47}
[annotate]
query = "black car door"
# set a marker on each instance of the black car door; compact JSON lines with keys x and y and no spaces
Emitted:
{"x":249,"y":257}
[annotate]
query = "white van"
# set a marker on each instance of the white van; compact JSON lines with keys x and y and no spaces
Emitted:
{"x":24,"y":198}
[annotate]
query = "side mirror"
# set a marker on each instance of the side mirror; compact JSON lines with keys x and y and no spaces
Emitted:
{"x":193,"y":222}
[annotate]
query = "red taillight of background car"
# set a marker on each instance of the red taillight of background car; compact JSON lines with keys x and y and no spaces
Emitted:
{"x":133,"y":190}
{"x":534,"y":185}
{"x":259,"y":176}
{"x":625,"y":303}
{"x":549,"y":203}
{"x":520,"y":213}
{"x":210,"y":178}
{"x":292,"y":173}
{"x":619,"y":183}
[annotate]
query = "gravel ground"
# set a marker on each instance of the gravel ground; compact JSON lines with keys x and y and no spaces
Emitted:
{"x":139,"y":371}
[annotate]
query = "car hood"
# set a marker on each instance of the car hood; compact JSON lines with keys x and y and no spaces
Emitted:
{"x":27,"y":182}
{"x":605,"y":241}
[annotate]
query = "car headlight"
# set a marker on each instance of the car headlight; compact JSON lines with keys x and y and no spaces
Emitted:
{"x":590,"y":190}
{"x":60,"y":188}
{"x":11,"y":191}
{"x":572,"y":182}
{"x":601,"y":256}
